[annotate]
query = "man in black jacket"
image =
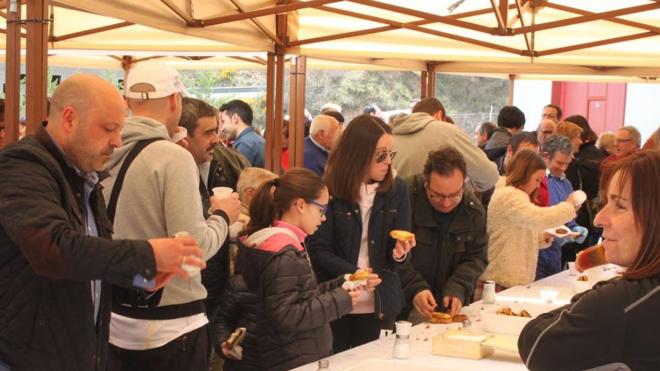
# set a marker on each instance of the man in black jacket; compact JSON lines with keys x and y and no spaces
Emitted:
{"x":450,"y":230}
{"x":57,"y":262}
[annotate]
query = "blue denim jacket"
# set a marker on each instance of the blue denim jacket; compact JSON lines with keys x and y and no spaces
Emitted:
{"x":251,"y":144}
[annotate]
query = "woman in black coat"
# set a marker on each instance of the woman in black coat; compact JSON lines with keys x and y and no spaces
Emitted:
{"x":584,"y":174}
{"x":368,"y":202}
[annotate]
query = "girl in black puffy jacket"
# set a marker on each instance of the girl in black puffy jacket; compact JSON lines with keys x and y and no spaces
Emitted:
{"x":293,"y":311}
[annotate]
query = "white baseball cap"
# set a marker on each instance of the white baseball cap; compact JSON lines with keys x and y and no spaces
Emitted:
{"x":151,"y":80}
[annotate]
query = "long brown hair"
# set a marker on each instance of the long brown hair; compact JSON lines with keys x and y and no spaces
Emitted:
{"x":640,"y":170}
{"x":275,"y":196}
{"x":521,"y":168}
{"x":349,"y":162}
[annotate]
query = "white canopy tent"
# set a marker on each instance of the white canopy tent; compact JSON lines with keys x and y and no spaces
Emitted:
{"x":596,"y":40}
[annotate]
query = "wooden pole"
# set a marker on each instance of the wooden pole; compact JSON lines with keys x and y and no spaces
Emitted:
{"x":275,"y":98}
{"x":276,"y":136}
{"x":430,"y":67}
{"x":12,"y":72}
{"x":37,"y":62}
{"x":297,"y":111}
{"x":509,"y":100}
{"x":425,"y":81}
{"x":270,"y":110}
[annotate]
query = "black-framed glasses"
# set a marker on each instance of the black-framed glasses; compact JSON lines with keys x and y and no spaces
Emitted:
{"x":322,"y":208}
{"x":454,"y":197}
{"x":382,"y":156}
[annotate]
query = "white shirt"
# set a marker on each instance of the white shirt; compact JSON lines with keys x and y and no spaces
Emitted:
{"x":366,"y":303}
{"x":141,"y":334}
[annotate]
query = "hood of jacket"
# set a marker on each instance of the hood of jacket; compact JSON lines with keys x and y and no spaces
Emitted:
{"x":252,"y":260}
{"x":411,"y":123}
{"x":137,"y":128}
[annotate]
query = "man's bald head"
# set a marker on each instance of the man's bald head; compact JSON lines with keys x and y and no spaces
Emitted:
{"x":323,"y":129}
{"x":86,"y":116}
{"x":546,"y":130}
{"x":82,"y":92}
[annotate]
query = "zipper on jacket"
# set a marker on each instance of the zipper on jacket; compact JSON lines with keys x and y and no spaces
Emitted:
{"x":380,"y":314}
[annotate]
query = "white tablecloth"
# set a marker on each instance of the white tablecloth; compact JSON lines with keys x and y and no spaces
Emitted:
{"x":377,"y":355}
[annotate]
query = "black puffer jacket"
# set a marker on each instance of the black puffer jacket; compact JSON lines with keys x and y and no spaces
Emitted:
{"x":237,"y":308}
{"x":584,"y":174}
{"x":293,"y":311}
{"x":47,"y":262}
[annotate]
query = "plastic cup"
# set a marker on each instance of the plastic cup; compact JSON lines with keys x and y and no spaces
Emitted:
{"x":222,"y":192}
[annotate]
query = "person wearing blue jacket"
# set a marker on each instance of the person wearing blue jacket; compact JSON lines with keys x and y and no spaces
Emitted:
{"x":557,"y":154}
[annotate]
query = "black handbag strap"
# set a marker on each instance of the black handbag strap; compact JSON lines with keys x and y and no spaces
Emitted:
{"x":119,"y":182}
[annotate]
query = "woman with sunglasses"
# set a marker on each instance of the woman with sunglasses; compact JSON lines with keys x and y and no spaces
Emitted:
{"x":293,"y":311}
{"x":516,"y":226}
{"x":615,"y":325}
{"x":368,"y":201}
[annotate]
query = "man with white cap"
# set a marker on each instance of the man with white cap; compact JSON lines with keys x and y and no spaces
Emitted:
{"x":152,"y":190}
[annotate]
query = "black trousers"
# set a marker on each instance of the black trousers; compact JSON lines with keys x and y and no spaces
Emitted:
{"x":353,"y":330}
{"x":188,"y":352}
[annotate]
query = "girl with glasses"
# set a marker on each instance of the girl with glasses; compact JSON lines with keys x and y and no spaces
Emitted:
{"x":293,"y":310}
{"x":368,"y":201}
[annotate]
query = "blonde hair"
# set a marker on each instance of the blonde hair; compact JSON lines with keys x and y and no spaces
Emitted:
{"x":568,"y":129}
{"x":252,"y":178}
{"x":606,"y":140}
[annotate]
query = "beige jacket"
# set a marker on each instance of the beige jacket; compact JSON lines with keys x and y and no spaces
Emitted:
{"x":515,"y":230}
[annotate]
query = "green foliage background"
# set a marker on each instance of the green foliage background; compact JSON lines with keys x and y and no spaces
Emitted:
{"x":469,"y":100}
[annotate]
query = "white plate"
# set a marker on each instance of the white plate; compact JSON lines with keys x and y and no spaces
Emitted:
{"x":512,"y":325}
{"x":568,"y":232}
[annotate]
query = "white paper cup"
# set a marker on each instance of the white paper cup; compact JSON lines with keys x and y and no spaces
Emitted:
{"x":222,"y":192}
{"x":579,"y":197}
{"x":180,"y":133}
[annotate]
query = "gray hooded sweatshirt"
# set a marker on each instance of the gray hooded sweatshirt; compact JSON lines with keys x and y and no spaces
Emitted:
{"x":160,"y":197}
{"x":417,"y":134}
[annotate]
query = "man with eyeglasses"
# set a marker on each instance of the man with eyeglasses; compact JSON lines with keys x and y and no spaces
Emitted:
{"x":628,"y":140}
{"x":450,"y":229}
